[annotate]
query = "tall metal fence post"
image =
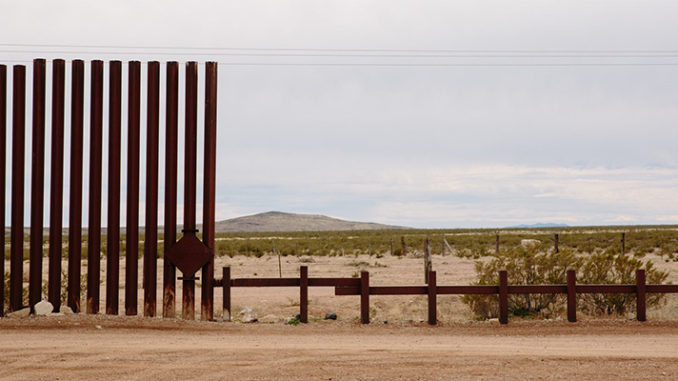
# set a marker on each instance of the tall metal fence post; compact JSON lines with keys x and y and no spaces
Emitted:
{"x":3,"y":152}
{"x":56,"y":185}
{"x":37,"y":183}
{"x":75,"y":188}
{"x":170,"y":228}
{"x":17,"y":235}
{"x":114,"y":155}
{"x":132,"y":229}
{"x":94,"y":209}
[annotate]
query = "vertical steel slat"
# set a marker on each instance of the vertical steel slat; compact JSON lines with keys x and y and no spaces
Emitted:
{"x":151,"y":230}
{"x":209,"y":188}
{"x":113,"y":226}
{"x":56,"y":184}
{"x":17,"y":235}
{"x":94,"y":225}
{"x":75,"y":202}
{"x":132,"y":235}
{"x":188,"y":297}
{"x":3,"y":152}
{"x":37,"y":183}
{"x":170,"y":230}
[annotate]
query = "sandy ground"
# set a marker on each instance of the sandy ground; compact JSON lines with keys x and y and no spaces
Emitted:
{"x":405,"y":348}
{"x":132,"y":348}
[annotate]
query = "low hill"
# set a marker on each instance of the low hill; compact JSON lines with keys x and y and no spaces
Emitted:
{"x":288,"y":222}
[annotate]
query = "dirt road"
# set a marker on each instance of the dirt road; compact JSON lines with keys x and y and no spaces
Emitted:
{"x":107,"y":348}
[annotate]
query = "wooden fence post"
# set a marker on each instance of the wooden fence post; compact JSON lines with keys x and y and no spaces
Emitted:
{"x":571,"y":296}
{"x":365,"y":297}
{"x":503,"y":297}
{"x":496,"y":248}
{"x":432,"y":298}
{"x":640,"y":295}
{"x":623,"y":243}
{"x":303,"y":294}
{"x":427,"y":259}
{"x":226,"y":286}
{"x":555,"y":242}
{"x":403,"y":250}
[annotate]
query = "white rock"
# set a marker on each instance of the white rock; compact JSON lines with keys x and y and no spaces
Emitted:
{"x":98,"y":327}
{"x":248,"y":316}
{"x":66,"y":310}
{"x":42,"y":308}
{"x":22,"y":313}
{"x":493,"y":320}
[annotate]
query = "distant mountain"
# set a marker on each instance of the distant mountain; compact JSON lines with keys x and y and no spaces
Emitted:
{"x":288,"y":222}
{"x":539,"y":225}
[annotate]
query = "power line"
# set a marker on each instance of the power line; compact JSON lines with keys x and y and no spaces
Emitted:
{"x":499,"y":51}
{"x":353,"y":55}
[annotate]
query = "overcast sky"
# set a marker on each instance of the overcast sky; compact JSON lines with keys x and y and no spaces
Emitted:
{"x":488,"y":143}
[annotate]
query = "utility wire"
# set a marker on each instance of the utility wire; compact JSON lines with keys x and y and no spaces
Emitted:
{"x":352,"y":55}
{"x":499,"y":51}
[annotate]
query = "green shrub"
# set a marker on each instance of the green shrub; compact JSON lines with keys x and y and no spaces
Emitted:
{"x":533,"y":265}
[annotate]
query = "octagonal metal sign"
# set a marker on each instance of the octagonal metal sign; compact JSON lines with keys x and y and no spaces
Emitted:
{"x":189,"y":254}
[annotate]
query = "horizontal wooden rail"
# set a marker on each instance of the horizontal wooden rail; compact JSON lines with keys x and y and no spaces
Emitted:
{"x":361,"y":286}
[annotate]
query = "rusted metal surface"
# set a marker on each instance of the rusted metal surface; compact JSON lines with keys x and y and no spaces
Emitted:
{"x":537,"y":289}
{"x":265,"y":282}
{"x":226,"y":287}
{"x":365,"y":297}
{"x":334,"y":282}
{"x":189,"y":254}
{"x":209,"y":188}
{"x":17,"y":234}
{"x":605,"y":289}
{"x":467,"y":290}
{"x":37,"y":183}
{"x":661,"y":288}
{"x":151,"y":229}
{"x":432,"y":299}
{"x":170,"y":229}
{"x":113,"y":226}
{"x":75,"y":197}
{"x":571,"y":296}
{"x":188,"y":300}
{"x":94,"y":226}
{"x":503,"y":297}
{"x":132,"y":230}
{"x":303,"y":294}
{"x":56,"y":184}
{"x":640,"y":295}
{"x":3,"y":152}
{"x":190,"y":162}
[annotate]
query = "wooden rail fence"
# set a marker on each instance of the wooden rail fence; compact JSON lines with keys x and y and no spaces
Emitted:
{"x":361,"y":286}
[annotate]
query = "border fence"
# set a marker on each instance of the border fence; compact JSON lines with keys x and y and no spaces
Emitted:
{"x":361,"y":286}
{"x":189,"y":254}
